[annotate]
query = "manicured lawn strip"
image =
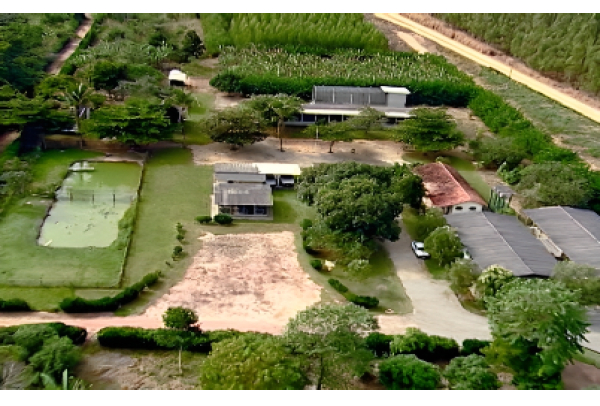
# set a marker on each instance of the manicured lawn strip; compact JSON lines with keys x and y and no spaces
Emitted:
{"x":38,"y":298}
{"x":174,"y":190}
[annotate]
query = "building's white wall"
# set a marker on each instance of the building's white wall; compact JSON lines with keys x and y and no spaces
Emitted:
{"x":396,"y":100}
{"x":468,"y":207}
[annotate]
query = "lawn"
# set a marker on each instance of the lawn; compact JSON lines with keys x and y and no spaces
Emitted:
{"x":174,"y":190}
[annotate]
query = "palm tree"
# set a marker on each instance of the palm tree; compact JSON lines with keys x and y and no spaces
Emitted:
{"x":78,"y":97}
{"x":67,"y":382}
{"x":184,"y":101}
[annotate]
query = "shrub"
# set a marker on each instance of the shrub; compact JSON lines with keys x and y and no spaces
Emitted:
{"x":337,"y":285}
{"x":473,"y":346}
{"x":421,"y":226}
{"x":177,"y":252}
{"x":76,"y":334}
{"x":471,"y":373}
{"x":428,"y":348}
{"x":317,"y":264}
{"x":108,"y":304}
{"x":223,"y":219}
{"x":14,"y":305}
{"x":306,"y":224}
{"x":367,"y":302}
{"x":379,"y":343}
{"x":56,"y":355}
{"x":180,"y":237}
{"x":462,"y":275}
{"x":204,"y":219}
{"x":492,"y":279}
{"x":408,"y":372}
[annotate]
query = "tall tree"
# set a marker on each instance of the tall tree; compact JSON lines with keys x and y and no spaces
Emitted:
{"x":78,"y":97}
{"x":236,"y":126}
{"x":429,"y":130}
{"x":332,"y":132}
{"x":331,"y":336}
{"x":276,"y":109}
{"x":182,"y":320}
{"x":192,"y":45}
{"x":537,"y":326}
{"x":367,"y":120}
{"x":444,"y":245}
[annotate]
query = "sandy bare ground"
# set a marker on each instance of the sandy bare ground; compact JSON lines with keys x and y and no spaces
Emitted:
{"x":302,"y":152}
{"x":222,"y":100}
{"x":7,"y":138}
{"x":248,"y":278}
{"x":71,"y":46}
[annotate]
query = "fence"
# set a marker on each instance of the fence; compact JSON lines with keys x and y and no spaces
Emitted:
{"x":94,"y":196}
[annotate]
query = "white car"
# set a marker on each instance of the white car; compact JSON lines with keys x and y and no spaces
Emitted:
{"x":286,"y":180}
{"x":419,"y":250}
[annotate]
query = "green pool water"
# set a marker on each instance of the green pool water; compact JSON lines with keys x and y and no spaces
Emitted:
{"x":90,"y":204}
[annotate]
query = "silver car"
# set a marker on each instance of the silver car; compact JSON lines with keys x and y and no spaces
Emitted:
{"x":419,"y":250}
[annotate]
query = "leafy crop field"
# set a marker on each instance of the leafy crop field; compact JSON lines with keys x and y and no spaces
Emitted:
{"x":258,"y":70}
{"x":325,"y":30}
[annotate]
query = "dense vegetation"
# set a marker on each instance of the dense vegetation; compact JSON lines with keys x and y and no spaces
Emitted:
{"x":28,"y":42}
{"x":325,"y":30}
{"x":547,"y":42}
{"x":259,"y":70}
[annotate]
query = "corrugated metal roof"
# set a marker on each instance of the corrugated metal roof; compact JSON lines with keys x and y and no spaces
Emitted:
{"x":349,"y":95}
{"x":234,"y":194}
{"x":575,"y":231}
{"x":240,"y":177}
{"x":496,"y":239}
{"x":445,"y":186}
{"x":235,"y":168}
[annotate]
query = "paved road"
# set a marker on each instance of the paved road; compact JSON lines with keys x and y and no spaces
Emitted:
{"x":487,"y":61}
{"x":436,"y":308}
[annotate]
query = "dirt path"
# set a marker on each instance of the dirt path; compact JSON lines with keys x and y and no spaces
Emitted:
{"x":7,"y":138}
{"x":512,"y":67}
{"x":436,"y":308}
{"x":71,"y":46}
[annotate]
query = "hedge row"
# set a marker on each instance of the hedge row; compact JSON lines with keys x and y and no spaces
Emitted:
{"x":109,"y":304}
{"x":425,"y":347}
{"x":367,"y":302}
{"x":139,"y":338}
{"x":14,"y":305}
{"x":76,"y":334}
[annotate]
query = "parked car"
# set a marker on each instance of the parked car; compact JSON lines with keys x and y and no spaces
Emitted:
{"x":466,"y":254}
{"x":286,"y":180}
{"x":271,"y":181}
{"x":419,"y":250}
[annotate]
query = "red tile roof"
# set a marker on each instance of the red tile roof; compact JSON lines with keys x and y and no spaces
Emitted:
{"x":445,"y":186}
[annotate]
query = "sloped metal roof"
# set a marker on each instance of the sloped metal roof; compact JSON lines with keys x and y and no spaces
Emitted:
{"x":234,"y":194}
{"x":235,"y":168}
{"x":497,"y":239}
{"x":575,"y":231}
{"x":240,"y":177}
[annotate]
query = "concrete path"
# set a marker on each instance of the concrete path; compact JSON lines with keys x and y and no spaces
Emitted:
{"x":436,"y":308}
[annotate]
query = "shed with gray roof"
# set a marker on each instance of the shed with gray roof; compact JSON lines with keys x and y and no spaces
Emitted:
{"x":244,"y":200}
{"x":575,"y":231}
{"x":497,"y":239}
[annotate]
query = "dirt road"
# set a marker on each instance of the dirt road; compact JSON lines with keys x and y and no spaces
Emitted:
{"x":515,"y":74}
{"x":71,"y":46}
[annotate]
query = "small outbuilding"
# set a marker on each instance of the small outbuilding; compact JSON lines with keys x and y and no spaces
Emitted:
{"x":177,"y":78}
{"x":447,"y":190}
{"x":244,"y":200}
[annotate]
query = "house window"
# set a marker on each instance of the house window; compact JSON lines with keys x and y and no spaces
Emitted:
{"x":472,"y":208}
{"x":458,"y":208}
{"x":261,"y":210}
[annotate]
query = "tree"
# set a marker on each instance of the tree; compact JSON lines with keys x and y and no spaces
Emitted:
{"x":462,"y":275}
{"x":138,"y":121}
{"x":192,"y":45}
{"x":236,"y":126}
{"x":408,"y":372}
{"x":429,"y":130}
{"x":106,"y":75}
{"x":421,"y":225}
{"x":31,"y":338}
{"x":492,"y":279}
{"x":276,"y":109}
{"x":367,"y":120}
{"x":56,"y":355}
{"x":332,"y":132}
{"x":444,"y":245}
{"x":16,"y":109}
{"x":494,"y":151}
{"x":331,"y":337}
{"x":537,"y":326}
{"x":78,"y":97}
{"x":182,"y":320}
{"x":471,"y":373}
{"x":252,"y":362}
{"x":579,"y":277}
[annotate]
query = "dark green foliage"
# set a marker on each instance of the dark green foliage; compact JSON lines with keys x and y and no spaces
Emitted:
{"x":426,"y":347}
{"x":367,"y":302}
{"x":192,"y":45}
{"x":31,"y":338}
{"x":379,"y":343}
{"x":109,"y":304}
{"x":139,"y":338}
{"x":471,"y":373}
{"x":56,"y":355}
{"x":337,"y":285}
{"x":177,"y":252}
{"x":204,"y":219}
{"x":236,"y":126}
{"x":14,"y":305}
{"x":473,"y":346}
{"x":408,"y":372}
{"x":580,"y":278}
{"x":179,"y":318}
{"x":429,"y":130}
{"x":317,"y":264}
{"x":462,"y":275}
{"x":327,"y":31}
{"x":430,"y":79}
{"x":493,"y":152}
{"x":444,"y":245}
{"x":421,"y":225}
{"x":306,"y":224}
{"x":106,"y":75}
{"x":223,"y":219}
{"x":76,"y":334}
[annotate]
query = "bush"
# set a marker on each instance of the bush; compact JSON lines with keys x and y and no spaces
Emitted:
{"x":462,"y":275}
{"x":306,"y":224}
{"x":471,"y":373}
{"x":223,"y":219}
{"x":421,"y":226}
{"x":337,"y":285}
{"x":14,"y":305}
{"x":428,"y":348}
{"x":76,"y":334}
{"x":408,"y":372}
{"x":177,"y":252}
{"x":492,"y":279}
{"x":204,"y":219}
{"x":56,"y":355}
{"x":367,"y":302}
{"x":379,"y":343}
{"x":109,"y":304}
{"x":317,"y":264}
{"x":473,"y":346}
